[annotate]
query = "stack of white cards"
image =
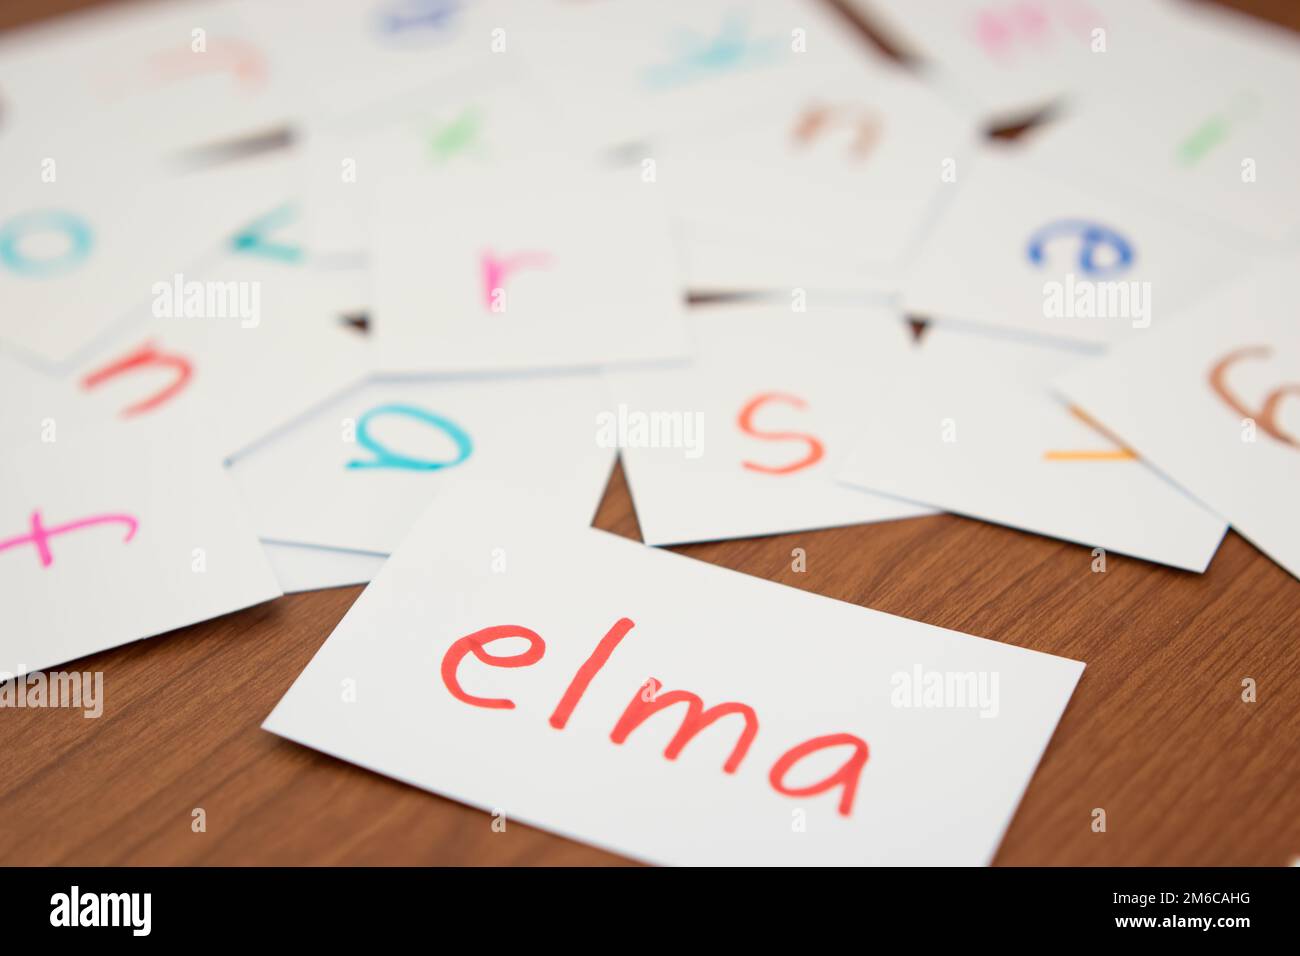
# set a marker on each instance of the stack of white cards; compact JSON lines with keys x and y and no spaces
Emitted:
{"x":294,"y":302}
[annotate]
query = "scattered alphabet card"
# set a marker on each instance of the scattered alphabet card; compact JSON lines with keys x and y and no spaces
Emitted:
{"x":481,"y":120}
{"x":356,"y":473}
{"x":671,"y":710}
{"x":1219,"y":143}
{"x":973,"y":429}
{"x":1214,"y":403}
{"x":858,"y":166}
{"x":111,"y":539}
{"x":81,"y":250}
{"x":359,"y":53}
{"x":145,"y":80}
{"x":1019,"y":248}
{"x":1004,"y":61}
{"x":231,"y":349}
{"x":665,"y":67}
{"x":728,"y":259}
{"x":479,"y":272}
{"x":748,"y":438}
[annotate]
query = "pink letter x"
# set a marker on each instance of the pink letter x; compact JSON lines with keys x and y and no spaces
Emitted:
{"x":40,"y":535}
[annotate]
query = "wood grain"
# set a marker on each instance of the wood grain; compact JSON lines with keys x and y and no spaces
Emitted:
{"x":1157,"y":733}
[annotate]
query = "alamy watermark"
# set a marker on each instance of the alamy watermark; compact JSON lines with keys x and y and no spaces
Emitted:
{"x":179,"y":299}
{"x":76,"y":690}
{"x":946,"y":690}
{"x":630,"y":428}
{"x":1091,"y":299}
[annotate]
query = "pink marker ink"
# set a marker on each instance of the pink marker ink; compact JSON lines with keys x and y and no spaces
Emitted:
{"x":495,"y":271}
{"x":40,"y":535}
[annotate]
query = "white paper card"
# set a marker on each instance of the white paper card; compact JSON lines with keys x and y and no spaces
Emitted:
{"x":1212,"y":131}
{"x":80,"y":252}
{"x":666,"y":67}
{"x":723,"y":260}
{"x":358,"y":472}
{"x":1005,"y":59}
{"x":1021,"y":249}
{"x":856,"y":167}
{"x":108,"y":540}
{"x":485,"y":272}
{"x":233,"y":348}
{"x":356,"y":53}
{"x":820,"y":723}
{"x":748,"y":439}
{"x":144,"y":80}
{"x":1214,"y":403}
{"x":301,"y":568}
{"x":973,"y":429}
{"x":481,"y":120}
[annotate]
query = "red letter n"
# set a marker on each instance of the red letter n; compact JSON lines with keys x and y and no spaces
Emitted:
{"x":143,"y":357}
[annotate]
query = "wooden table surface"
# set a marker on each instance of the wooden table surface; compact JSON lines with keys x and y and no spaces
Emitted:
{"x":1157,"y":733}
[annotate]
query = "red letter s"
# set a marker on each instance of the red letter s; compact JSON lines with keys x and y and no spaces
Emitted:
{"x":746,"y":421}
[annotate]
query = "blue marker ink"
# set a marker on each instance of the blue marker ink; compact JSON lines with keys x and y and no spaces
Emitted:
{"x":252,"y":239}
{"x":387,"y":459}
{"x":1092,"y":238}
{"x":404,"y":15}
{"x":729,"y":49}
{"x":80,"y":240}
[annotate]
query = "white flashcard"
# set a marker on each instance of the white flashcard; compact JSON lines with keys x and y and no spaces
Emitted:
{"x":674,"y":711}
{"x":481,"y":272}
{"x":111,"y":539}
{"x":747,"y":440}
{"x":144,"y":80}
{"x":232,"y":349}
{"x":35,"y":405}
{"x":721,"y":260}
{"x":1003,"y":60}
{"x":301,"y":568}
{"x":1213,"y":132}
{"x":641,"y":69}
{"x":973,"y":429}
{"x":479,"y":121}
{"x":1019,"y":248}
{"x":351,"y":54}
{"x":1213,"y":402}
{"x":857,"y":167}
{"x":358,"y":472}
{"x":83,"y":248}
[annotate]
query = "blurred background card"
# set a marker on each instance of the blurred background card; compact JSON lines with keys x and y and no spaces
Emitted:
{"x":234,"y":348}
{"x":1213,"y":401}
{"x":547,"y":269}
{"x":1212,"y":132}
{"x":1006,"y":60}
{"x":1020,"y":248}
{"x":83,"y":248}
{"x":973,"y":429}
{"x":857,"y":166}
{"x":145,"y":80}
{"x":663,"y":67}
{"x":482,"y":120}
